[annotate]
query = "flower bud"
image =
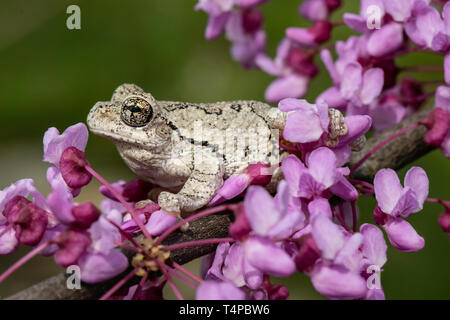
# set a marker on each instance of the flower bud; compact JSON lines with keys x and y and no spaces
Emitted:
{"x":240,"y":228}
{"x":444,"y":221}
{"x":308,"y":254}
{"x":137,"y":190}
{"x":29,"y":220}
{"x":85,"y":214}
{"x":437,"y":123}
{"x":251,"y":20}
{"x":72,"y":244}
{"x":379,"y":216}
{"x":333,"y":4}
{"x":301,"y":60}
{"x":72,"y":165}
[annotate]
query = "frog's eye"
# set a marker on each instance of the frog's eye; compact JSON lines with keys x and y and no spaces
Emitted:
{"x":136,"y":112}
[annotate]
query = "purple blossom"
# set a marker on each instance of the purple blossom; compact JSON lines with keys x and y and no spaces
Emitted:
{"x":316,"y":10}
{"x":219,"y":290}
{"x":271,"y":219}
{"x":320,"y":173}
{"x":22,"y":220}
{"x":244,"y":263}
{"x":55,"y":143}
{"x":425,"y":26}
{"x":218,"y":11}
{"x":336,"y":275}
{"x":159,"y":222}
{"x":72,"y":244}
{"x":305,"y":122}
{"x":99,"y":267}
{"x":290,"y":83}
{"x":318,"y":33}
{"x":243,"y":29}
{"x":396,"y":202}
{"x":255,"y":174}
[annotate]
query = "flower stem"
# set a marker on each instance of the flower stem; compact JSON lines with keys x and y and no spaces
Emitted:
{"x":140,"y":286}
{"x":381,"y":145}
{"x":362,"y":183}
{"x":354,"y":217}
{"x":183,"y":278}
{"x":187,"y":272}
{"x":23,"y":260}
{"x":198,"y":243}
{"x":341,"y":219}
{"x":193,"y":217}
{"x":175,"y":290}
{"x":121,"y":199}
{"x":423,"y":68}
{"x":127,"y":247}
{"x":118,"y":285}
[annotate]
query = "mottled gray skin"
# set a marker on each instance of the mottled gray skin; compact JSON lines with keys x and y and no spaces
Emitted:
{"x":166,"y":148}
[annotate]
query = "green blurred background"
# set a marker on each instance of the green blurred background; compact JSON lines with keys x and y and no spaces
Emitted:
{"x":51,"y":76}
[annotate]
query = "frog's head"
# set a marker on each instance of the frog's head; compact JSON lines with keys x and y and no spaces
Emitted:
{"x":129,"y":119}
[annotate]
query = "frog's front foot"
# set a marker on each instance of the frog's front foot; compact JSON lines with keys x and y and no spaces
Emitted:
{"x":170,"y":202}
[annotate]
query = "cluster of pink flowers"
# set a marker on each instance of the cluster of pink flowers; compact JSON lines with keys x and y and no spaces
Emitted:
{"x":365,"y":70}
{"x":310,"y":225}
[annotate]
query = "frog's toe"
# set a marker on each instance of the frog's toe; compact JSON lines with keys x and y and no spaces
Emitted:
{"x":169,"y":202}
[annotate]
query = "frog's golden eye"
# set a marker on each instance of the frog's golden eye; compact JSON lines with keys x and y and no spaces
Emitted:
{"x":136,"y":112}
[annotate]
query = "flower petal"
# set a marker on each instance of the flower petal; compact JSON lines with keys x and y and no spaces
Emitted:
{"x":406,"y":204}
{"x":159,"y":222}
{"x":260,"y":210}
{"x":387,"y":189}
{"x":96,"y":268}
{"x":291,"y":86}
{"x":403,"y":236}
{"x":374,"y":246}
{"x":264,"y":255}
{"x":416,"y":178}
{"x":8,"y":241}
{"x":322,"y":166}
{"x":214,"y":290}
{"x":292,"y":168}
{"x":385,"y":40}
{"x":327,"y":235}
{"x":336,"y":282}
{"x":443,"y":97}
{"x":373,"y":81}
{"x":352,"y":80}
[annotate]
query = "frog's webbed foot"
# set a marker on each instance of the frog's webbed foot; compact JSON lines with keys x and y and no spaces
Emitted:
{"x":205,"y":179}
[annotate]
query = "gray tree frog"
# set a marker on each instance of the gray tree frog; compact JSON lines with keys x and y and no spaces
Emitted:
{"x":187,"y":148}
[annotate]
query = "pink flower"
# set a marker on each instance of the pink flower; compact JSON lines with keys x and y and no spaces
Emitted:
{"x":319,"y":33}
{"x":22,"y":220}
{"x":159,"y":222}
{"x":336,"y":274}
{"x":320,"y":174}
{"x":219,"y":290}
{"x":396,"y":202}
{"x":255,"y":174}
{"x":55,"y":144}
{"x":292,"y":73}
{"x":270,"y":219}
{"x":305,"y":122}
